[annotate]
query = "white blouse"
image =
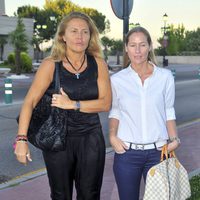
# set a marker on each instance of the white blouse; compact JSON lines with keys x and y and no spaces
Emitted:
{"x":142,"y":110}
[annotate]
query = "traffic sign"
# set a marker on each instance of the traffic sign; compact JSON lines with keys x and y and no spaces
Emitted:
{"x":118,"y":7}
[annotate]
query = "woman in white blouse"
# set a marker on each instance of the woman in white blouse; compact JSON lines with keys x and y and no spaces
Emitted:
{"x":142,"y":118}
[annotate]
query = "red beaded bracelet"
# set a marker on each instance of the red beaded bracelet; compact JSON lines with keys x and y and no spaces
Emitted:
{"x":20,"y":138}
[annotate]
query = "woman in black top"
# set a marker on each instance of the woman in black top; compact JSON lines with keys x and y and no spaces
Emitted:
{"x":85,"y":90}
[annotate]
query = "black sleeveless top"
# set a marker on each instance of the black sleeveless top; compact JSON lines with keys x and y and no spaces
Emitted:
{"x":84,"y":88}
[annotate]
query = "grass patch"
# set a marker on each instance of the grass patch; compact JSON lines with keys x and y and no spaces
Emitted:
{"x":195,"y":188}
{"x":5,"y":65}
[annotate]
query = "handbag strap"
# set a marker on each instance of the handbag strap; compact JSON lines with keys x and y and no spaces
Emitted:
{"x":57,"y":77}
{"x":165,"y":153}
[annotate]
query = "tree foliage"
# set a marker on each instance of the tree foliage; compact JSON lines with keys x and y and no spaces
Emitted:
{"x":19,"y":40}
{"x":106,"y":42}
{"x":27,"y":11}
{"x":51,"y":15}
{"x":3,"y":42}
{"x":181,"y":42}
{"x":175,"y":41}
{"x":98,"y":18}
{"x":192,"y":40}
{"x":117,"y":48}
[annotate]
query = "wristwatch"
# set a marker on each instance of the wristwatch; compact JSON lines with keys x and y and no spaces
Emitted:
{"x":177,"y":139}
{"x":78,"y":106}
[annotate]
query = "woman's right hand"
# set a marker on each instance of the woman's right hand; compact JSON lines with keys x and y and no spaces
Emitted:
{"x":22,"y":152}
{"x":118,"y":145}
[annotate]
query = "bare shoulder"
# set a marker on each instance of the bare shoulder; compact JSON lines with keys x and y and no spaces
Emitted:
{"x":47,"y":63}
{"x":102,"y":66}
{"x":46,"y":68}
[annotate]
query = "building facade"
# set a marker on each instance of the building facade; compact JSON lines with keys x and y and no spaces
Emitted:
{"x":7,"y":25}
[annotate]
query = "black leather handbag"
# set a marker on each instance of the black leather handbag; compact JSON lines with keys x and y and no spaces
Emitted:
{"x":48,"y":125}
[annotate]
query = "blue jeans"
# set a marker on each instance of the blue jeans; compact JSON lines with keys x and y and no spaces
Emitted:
{"x":129,"y":168}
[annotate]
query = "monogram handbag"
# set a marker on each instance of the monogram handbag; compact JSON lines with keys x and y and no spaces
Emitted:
{"x":48,"y":125}
{"x":167,"y":180}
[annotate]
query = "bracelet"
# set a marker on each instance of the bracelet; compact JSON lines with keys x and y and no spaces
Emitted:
{"x":16,"y":141}
{"x":21,"y":139}
{"x":175,"y":138}
{"x":21,"y":136}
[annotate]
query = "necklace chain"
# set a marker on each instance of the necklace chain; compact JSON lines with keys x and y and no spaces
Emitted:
{"x":77,"y":70}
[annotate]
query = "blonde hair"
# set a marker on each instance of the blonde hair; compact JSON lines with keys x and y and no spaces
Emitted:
{"x":139,"y":29}
{"x":59,"y":46}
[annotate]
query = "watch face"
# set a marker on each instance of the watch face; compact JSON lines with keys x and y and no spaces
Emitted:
{"x":77,"y":105}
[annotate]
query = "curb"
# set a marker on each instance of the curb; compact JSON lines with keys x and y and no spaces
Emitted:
{"x":10,"y":104}
{"x":23,"y":178}
{"x":196,"y":172}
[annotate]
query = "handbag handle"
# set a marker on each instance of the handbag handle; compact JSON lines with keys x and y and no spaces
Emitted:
{"x":57,"y":77}
{"x":166,"y":154}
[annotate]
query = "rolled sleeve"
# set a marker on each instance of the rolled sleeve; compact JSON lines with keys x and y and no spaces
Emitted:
{"x":169,"y":98}
{"x":170,"y":113}
{"x":114,"y":112}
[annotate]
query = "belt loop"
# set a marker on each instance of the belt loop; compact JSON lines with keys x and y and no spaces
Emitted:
{"x":155,"y":145}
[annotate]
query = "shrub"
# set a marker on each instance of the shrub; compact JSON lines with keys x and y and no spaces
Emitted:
{"x":11,"y":58}
{"x":26,"y":62}
{"x":195,"y":188}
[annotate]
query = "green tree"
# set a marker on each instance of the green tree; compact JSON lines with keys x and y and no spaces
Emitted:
{"x":175,"y":41}
{"x":61,"y":8}
{"x":50,"y":16}
{"x":41,"y":17}
{"x":19,"y":40}
{"x":98,"y":18}
{"x":27,"y":11}
{"x":58,"y":9}
{"x":192,"y":40}
{"x":106,"y":42}
{"x":117,"y":48}
{"x":3,"y":41}
{"x":42,"y":22}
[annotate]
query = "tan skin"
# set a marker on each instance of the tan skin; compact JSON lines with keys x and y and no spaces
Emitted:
{"x":137,"y":50}
{"x":77,"y":36}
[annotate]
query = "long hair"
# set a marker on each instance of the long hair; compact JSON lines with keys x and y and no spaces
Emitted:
{"x":139,"y":29}
{"x":59,"y":46}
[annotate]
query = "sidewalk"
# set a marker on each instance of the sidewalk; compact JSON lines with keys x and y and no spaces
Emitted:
{"x":37,"y":188}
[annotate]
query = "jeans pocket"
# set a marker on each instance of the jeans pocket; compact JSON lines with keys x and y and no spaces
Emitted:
{"x":120,"y":153}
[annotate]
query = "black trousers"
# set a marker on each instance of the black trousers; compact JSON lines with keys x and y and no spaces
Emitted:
{"x":82,"y":162}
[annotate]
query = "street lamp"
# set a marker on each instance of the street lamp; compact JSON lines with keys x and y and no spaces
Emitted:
{"x":165,"y":39}
{"x":39,"y":40}
{"x":54,"y":20}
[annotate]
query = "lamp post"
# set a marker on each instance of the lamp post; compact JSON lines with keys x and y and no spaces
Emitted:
{"x":54,"y":21}
{"x":165,"y":39}
{"x":40,"y":39}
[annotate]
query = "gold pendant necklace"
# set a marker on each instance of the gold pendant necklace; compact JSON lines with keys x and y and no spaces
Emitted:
{"x":77,"y":74}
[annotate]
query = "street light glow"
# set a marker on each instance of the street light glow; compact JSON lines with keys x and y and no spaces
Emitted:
{"x":165,"y":18}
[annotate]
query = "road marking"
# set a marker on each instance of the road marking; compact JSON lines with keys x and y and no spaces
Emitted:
{"x":188,"y":123}
{"x":188,"y":81}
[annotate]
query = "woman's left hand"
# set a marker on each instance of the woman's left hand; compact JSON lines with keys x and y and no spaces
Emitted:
{"x":62,"y":100}
{"x":172,"y":146}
